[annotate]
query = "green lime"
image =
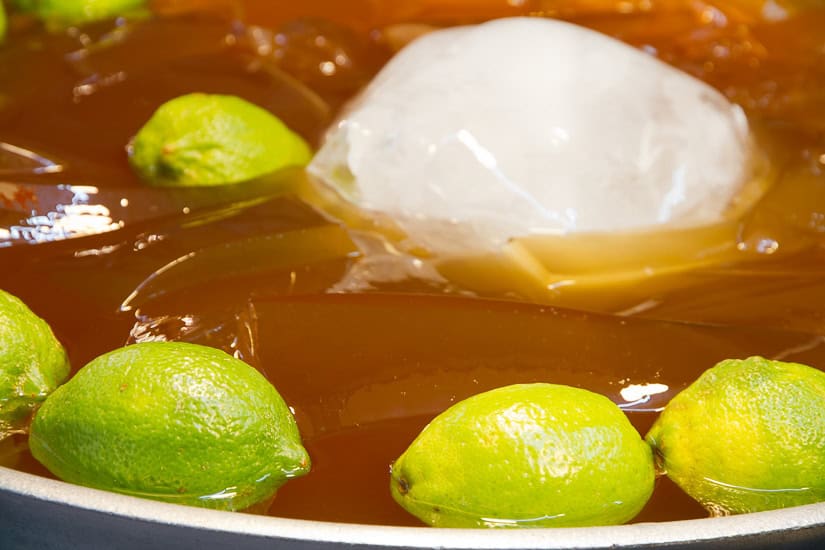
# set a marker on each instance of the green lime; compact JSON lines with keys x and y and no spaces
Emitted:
{"x":63,"y":13}
{"x":24,"y":6}
{"x":171,"y":421}
{"x":201,"y":139}
{"x":32,"y":363}
{"x":748,"y":435}
{"x":2,"y":22}
{"x":526,"y":456}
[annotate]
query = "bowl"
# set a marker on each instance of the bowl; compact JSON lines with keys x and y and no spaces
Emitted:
{"x":38,"y":512}
{"x":42,"y":513}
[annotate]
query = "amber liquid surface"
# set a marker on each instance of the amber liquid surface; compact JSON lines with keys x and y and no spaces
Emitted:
{"x":255,"y":270}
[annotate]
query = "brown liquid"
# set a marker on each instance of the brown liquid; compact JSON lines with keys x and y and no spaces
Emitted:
{"x":253,"y":264}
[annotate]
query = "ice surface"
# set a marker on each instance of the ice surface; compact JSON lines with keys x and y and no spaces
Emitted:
{"x":474,"y":135}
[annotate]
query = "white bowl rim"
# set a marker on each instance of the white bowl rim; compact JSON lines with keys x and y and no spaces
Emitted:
{"x":762,"y":525}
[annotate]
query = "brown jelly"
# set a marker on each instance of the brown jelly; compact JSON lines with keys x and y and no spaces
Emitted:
{"x":256,"y":269}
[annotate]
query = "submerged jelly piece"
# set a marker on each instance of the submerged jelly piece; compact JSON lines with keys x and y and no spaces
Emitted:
{"x":747,"y":436}
{"x":534,"y":455}
{"x":171,"y":421}
{"x":262,"y":253}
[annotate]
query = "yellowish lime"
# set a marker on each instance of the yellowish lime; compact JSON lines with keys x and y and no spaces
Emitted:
{"x":526,"y":456}
{"x":32,"y":363}
{"x":171,"y":421}
{"x":748,"y":435}
{"x":2,"y":22}
{"x":202,"y":139}
{"x":63,"y":13}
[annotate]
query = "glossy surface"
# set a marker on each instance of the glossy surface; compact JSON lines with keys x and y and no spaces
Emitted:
{"x":526,"y":455}
{"x":250,"y":268}
{"x":171,"y":421}
{"x":746,"y":436}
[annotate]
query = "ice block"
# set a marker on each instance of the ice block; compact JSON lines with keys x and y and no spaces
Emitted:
{"x":476,"y":135}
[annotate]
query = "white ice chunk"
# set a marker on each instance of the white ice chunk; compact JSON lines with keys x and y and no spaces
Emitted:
{"x":474,"y":135}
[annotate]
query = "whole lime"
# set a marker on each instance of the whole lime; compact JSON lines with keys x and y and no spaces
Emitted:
{"x":747,"y":435}
{"x":202,"y":139}
{"x":32,"y":363}
{"x":62,"y":13}
{"x":526,"y":456}
{"x":171,"y":421}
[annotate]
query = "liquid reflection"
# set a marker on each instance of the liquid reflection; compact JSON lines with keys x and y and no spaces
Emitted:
{"x":636,"y":395}
{"x":234,"y":330}
{"x":754,"y":494}
{"x":361,"y":347}
{"x":16,"y":160}
{"x":79,"y":216}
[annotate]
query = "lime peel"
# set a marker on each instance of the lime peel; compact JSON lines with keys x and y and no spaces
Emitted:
{"x":527,"y":455}
{"x":33,"y":363}
{"x":3,"y":22}
{"x":748,"y":435}
{"x":208,"y":139}
{"x":58,"y":14}
{"x":171,"y":421}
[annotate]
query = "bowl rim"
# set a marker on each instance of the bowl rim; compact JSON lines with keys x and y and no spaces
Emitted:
{"x":696,"y":531}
